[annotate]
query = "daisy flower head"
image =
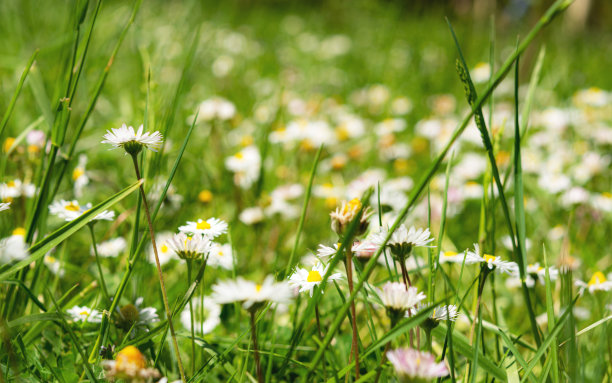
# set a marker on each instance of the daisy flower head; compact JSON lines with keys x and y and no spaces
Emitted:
{"x":210,"y":228}
{"x":252,"y":295}
{"x":207,"y":323}
{"x":85,"y":314}
{"x":187,"y":247}
{"x":135,"y":316}
{"x":415,"y":366}
{"x":403,"y":240}
{"x":130,"y":365}
{"x":111,"y":248}
{"x":443,"y":313}
{"x":132,"y":141}
{"x":397,"y":299}
{"x":71,"y":210}
{"x":163,"y":250}
{"x":493,"y":262}
{"x":14,"y":247}
{"x":307,"y":280}
{"x":597,"y":282}
{"x":539,"y":272}
{"x":327,"y":251}
{"x":344,"y":214}
{"x":221,"y":256}
{"x":454,"y":257}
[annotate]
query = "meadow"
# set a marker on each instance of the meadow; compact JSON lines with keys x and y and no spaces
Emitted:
{"x":275,"y":191}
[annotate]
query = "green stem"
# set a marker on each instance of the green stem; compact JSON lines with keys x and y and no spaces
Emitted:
{"x":159,"y":271}
{"x":95,"y":249}
{"x":193,"y":353}
{"x":255,"y":348}
{"x":355,"y":342}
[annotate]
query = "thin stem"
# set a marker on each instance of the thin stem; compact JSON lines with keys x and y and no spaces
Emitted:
{"x":95,"y":249}
{"x":159,"y":272}
{"x":407,"y":284}
{"x":318,"y":320}
{"x":193,"y":353}
{"x":260,"y":378}
{"x":383,"y":358}
{"x":354,"y":343}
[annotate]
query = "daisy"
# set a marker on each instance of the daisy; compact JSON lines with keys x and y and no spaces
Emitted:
{"x":210,"y":228}
{"x":395,"y":296}
{"x":216,"y":108}
{"x":111,"y":248}
{"x":133,"y":141}
{"x":597,"y":282}
{"x":54,"y":265}
{"x":344,"y":215}
{"x":402,"y":240}
{"x":454,"y":257}
{"x":245,"y":165}
{"x":14,"y":248}
{"x":163,"y":250}
{"x":250,"y":294}
{"x":494,"y":262}
{"x":540,"y":272}
{"x":71,"y":210}
{"x":79,"y":176}
{"x":443,"y":313}
{"x":211,"y":319}
{"x":137,"y":317}
{"x":85,"y":314}
{"x":129,"y":365}
{"x":307,"y":280}
{"x":221,"y":256}
{"x":187,"y":247}
{"x":251,"y":215}
{"x":412,"y":365}
{"x":327,"y":251}
{"x":5,"y":206}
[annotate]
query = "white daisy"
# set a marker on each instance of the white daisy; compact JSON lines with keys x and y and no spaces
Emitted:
{"x":132,"y":141}
{"x":307,"y":280}
{"x":454,"y":257}
{"x":210,"y":228}
{"x":221,"y":256}
{"x":164,"y":252}
{"x":395,"y":296}
{"x":597,"y":282}
{"x":85,"y":314}
{"x":54,"y":265}
{"x":251,"y":294}
{"x":14,"y":248}
{"x":402,"y":240}
{"x":251,"y":215}
{"x":211,"y":319}
{"x":327,"y":251}
{"x":187,"y":247}
{"x":494,"y":262}
{"x":539,"y":271}
{"x":443,"y":313}
{"x":79,"y":176}
{"x":245,"y":165}
{"x":111,"y":248}
{"x":416,"y":366}
{"x":71,"y":210}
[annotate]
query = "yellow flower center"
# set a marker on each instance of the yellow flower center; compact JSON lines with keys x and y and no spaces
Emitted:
{"x":342,"y":133}
{"x":33,"y":149}
{"x":239,"y":155}
{"x":11,"y":184}
{"x":314,"y":276}
{"x":606,"y":194}
{"x":77,"y":173}
{"x":72,"y":206}
{"x":246,"y":140}
{"x":352,"y":206}
{"x":84,"y":313}
{"x":203,"y":225}
{"x":488,"y":257}
{"x":450,"y":253}
{"x":164,"y":248}
{"x":8,"y":144}
{"x":258,"y":287}
{"x":205,"y":196}
{"x":597,"y":279}
{"x":220,"y":253}
{"x":19,"y":231}
{"x":51,"y":259}
{"x":130,"y":356}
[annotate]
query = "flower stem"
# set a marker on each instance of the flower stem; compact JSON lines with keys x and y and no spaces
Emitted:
{"x":95,"y":248}
{"x":255,"y":348}
{"x":349,"y":276}
{"x":159,"y":271}
{"x":193,"y":352}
